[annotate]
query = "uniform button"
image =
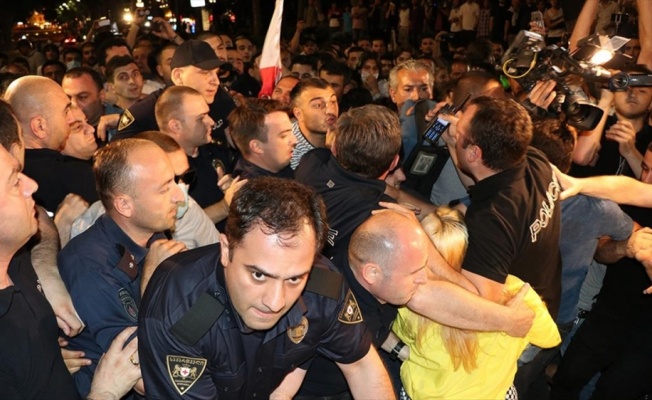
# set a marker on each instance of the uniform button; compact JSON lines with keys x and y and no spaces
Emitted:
{"x":260,"y":369}
{"x":254,"y":395}
{"x":228,"y":318}
{"x":217,"y":293}
{"x":227,"y":311}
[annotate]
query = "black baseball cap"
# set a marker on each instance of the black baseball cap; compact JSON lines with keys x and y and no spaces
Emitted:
{"x":196,"y":53}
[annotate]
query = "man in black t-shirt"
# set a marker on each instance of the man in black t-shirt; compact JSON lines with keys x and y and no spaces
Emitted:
{"x":514,"y":219}
{"x":31,"y":365}
{"x":43,"y":112}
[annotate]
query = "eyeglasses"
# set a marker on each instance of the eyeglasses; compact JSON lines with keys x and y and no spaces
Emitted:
{"x":187,"y":177}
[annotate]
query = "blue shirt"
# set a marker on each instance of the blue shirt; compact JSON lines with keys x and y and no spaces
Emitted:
{"x":584,"y":220}
{"x":101,"y":269}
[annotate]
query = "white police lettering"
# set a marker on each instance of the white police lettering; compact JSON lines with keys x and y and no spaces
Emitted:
{"x":332,"y":233}
{"x":547,"y":208}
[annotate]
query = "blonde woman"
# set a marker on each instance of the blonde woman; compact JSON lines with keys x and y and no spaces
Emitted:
{"x":452,"y":363}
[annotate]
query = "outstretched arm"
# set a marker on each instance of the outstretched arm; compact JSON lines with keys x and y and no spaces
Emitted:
{"x":44,"y":259}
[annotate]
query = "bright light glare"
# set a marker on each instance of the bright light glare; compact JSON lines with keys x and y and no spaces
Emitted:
{"x":601,"y":57}
{"x":128,"y":17}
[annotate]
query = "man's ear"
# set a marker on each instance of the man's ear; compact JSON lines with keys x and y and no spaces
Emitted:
{"x":224,"y":248}
{"x":174,"y":126}
{"x":39,"y":127}
{"x":124,"y":205}
{"x":255,"y":147}
{"x":371,"y":273}
{"x":175,"y":76}
{"x":394,"y":163}
{"x":392,"y":95}
{"x":297,"y":113}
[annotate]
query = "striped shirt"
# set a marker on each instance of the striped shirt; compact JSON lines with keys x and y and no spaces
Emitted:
{"x":303,"y":145}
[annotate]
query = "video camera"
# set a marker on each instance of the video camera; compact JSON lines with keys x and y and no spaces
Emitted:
{"x":528,"y":60}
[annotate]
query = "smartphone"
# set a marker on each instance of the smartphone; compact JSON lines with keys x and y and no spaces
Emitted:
{"x":537,"y":17}
{"x":104,"y":22}
{"x":438,"y":125}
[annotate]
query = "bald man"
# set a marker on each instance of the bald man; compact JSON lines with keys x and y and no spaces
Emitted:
{"x":388,"y":266}
{"x":44,"y":114}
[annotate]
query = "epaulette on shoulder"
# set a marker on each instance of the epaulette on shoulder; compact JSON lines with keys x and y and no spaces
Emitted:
{"x":198,"y":319}
{"x":324,"y":282}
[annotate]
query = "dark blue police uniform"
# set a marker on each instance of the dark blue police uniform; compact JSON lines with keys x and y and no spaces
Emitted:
{"x":204,"y":189}
{"x":140,"y":117}
{"x":349,"y":197}
{"x":247,"y":170}
{"x":101,"y":269}
{"x":193,"y":344}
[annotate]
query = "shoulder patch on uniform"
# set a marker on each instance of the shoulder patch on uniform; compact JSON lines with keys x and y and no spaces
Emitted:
{"x":350,"y":312}
{"x":325,"y":282}
{"x":125,"y":120}
{"x":184,"y":371}
{"x":129,"y":304}
{"x":297,"y":333}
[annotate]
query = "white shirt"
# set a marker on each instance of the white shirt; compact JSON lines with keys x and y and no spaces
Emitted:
{"x":470,"y":13}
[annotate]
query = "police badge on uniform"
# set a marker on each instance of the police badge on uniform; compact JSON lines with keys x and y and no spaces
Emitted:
{"x":297,"y":333}
{"x":129,"y":304}
{"x":125,"y":120}
{"x":185,"y":371}
{"x":350,"y":312}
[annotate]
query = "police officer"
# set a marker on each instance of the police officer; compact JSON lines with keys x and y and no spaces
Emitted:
{"x":234,"y":321}
{"x":105,"y":267}
{"x":194,"y":64}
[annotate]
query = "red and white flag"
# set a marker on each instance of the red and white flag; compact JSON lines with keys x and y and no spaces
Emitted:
{"x":270,"y":60}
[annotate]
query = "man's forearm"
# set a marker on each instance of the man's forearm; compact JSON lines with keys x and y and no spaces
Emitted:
{"x":368,"y":378}
{"x":44,"y":255}
{"x":584,"y":22}
{"x":620,"y":189}
{"x":611,"y":251}
{"x":459,"y":308}
{"x":218,"y":211}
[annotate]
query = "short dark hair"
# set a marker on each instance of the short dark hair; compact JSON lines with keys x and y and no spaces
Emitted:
{"x":305,"y":84}
{"x":502,"y":129}
{"x":67,"y":50}
{"x":165,"y":142}
{"x":367,"y":140}
{"x":107,"y":44}
{"x":554,"y":139}
{"x":112,"y":170}
{"x":51,"y":47}
{"x":337,"y":68}
{"x":8,"y":126}
{"x":472,"y":82}
{"x":278,"y":206}
{"x":366,"y":56}
{"x":305,"y":60}
{"x":115,"y":63}
{"x":54,"y":62}
{"x":247,"y":121}
{"x":78,"y":72}
{"x":154,"y":57}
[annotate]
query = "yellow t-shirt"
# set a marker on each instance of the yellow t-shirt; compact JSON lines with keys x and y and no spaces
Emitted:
{"x":429,"y":374}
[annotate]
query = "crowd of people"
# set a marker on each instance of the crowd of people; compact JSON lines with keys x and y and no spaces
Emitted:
{"x":167,"y":232}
